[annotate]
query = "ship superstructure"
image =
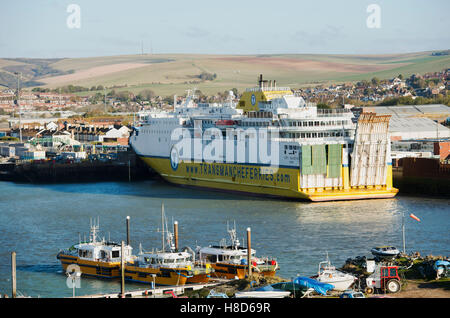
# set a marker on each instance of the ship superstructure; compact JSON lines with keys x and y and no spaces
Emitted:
{"x":271,"y":142}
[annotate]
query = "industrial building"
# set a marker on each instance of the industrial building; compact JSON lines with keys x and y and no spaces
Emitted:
{"x":414,"y":122}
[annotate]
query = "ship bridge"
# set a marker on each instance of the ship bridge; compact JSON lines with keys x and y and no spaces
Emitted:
{"x":266,"y":91}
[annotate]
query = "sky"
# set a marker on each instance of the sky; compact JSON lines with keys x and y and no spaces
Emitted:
{"x":47,"y":29}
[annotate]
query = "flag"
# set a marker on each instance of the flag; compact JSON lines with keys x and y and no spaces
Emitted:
{"x":414,"y":217}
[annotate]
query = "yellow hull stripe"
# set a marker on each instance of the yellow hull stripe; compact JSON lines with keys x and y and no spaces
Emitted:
{"x":262,"y":180}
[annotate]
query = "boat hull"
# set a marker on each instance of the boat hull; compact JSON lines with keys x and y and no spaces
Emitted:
{"x":162,"y":276}
{"x":339,"y":285}
{"x":199,"y":278}
{"x":231,"y":271}
{"x":247,"y":179}
{"x":91,"y":268}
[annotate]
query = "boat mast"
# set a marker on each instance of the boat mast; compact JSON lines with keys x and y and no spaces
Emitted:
{"x":94,"y":229}
{"x":162,"y":222}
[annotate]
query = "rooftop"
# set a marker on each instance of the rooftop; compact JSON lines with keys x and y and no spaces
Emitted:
{"x":411,"y":110}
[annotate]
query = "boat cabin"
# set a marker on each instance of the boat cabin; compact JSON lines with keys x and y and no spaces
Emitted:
{"x":168,"y":259}
{"x":214,"y":254}
{"x":106,"y":251}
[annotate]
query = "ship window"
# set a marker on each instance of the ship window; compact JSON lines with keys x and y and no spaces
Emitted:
{"x":115,"y":254}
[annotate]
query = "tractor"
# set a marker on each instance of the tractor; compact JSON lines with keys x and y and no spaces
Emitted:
{"x":385,"y":278}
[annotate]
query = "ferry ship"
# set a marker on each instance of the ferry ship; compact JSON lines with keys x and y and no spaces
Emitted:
{"x":229,"y":261}
{"x":315,"y":154}
{"x":97,"y":258}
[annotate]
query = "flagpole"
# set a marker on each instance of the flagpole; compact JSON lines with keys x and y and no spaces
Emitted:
{"x":403,"y":230}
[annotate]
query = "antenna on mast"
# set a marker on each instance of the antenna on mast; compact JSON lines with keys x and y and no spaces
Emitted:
{"x":162,"y":222}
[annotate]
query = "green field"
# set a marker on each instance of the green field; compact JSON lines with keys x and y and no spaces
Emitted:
{"x":168,"y":74}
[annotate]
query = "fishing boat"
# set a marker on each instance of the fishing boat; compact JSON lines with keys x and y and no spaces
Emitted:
{"x":328,"y":274}
{"x":99,"y":258}
{"x":167,"y":266}
{"x":160,"y":268}
{"x":385,"y":251}
{"x":230,"y":260}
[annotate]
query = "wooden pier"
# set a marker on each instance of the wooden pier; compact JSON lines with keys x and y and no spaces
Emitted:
{"x":158,"y":291}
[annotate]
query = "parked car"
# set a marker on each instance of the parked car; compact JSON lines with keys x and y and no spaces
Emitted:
{"x":352,"y":294}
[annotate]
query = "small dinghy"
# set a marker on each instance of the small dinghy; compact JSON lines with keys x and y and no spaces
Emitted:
{"x":385,"y":251}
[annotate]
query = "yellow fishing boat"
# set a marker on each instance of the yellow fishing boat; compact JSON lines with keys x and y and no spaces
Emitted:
{"x":95,"y":258}
{"x":230,"y":260}
{"x":167,"y":266}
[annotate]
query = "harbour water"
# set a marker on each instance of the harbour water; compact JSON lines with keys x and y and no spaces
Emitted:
{"x":38,"y":220}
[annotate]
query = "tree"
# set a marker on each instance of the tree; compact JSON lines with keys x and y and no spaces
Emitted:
{"x":146,"y":94}
{"x":323,"y":106}
{"x":205,"y":76}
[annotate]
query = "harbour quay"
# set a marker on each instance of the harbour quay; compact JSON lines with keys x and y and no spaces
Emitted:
{"x":110,"y":166}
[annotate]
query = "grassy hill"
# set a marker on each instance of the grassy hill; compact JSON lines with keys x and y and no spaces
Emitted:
{"x":168,"y":74}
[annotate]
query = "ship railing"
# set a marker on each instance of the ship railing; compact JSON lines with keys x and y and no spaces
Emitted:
{"x":334,"y":112}
{"x":68,"y":251}
{"x":316,"y":140}
{"x":315,"y":128}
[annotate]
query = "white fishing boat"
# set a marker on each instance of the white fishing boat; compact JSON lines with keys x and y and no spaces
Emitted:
{"x":330,"y":275}
{"x":385,"y":251}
